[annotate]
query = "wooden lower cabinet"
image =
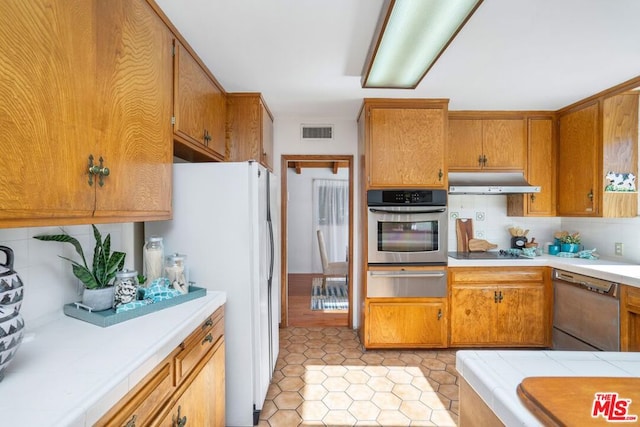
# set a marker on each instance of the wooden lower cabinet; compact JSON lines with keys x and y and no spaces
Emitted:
{"x":500,"y":306}
{"x":629,"y":318}
{"x":202,"y":403}
{"x":186,"y":388}
{"x":405,"y":323}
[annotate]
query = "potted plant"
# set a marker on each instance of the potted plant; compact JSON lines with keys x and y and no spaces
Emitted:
{"x":570,"y":242}
{"x":97,"y":280}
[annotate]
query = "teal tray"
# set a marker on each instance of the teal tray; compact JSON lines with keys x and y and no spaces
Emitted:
{"x":110,"y":317}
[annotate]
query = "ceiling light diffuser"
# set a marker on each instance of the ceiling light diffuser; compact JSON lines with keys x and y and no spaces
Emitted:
{"x":411,"y":36}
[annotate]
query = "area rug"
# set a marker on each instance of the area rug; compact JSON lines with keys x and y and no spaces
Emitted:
{"x":333,"y":297}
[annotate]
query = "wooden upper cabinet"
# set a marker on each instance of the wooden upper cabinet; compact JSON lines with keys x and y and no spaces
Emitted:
{"x":620,"y":151}
{"x":578,"y":164}
{"x":46,"y":123}
{"x":486,"y":143}
{"x":102,"y":96}
{"x":199,"y":108}
{"x":250,"y":129}
{"x":405,"y":142}
{"x":134,"y":77}
{"x":541,"y":171}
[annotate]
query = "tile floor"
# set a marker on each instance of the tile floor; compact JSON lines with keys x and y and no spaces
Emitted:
{"x":324,"y":378}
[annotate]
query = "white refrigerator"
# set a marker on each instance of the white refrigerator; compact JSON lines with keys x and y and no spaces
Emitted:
{"x":225,"y":218}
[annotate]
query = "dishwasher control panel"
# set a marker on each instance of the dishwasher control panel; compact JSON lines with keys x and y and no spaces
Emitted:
{"x":593,"y":284}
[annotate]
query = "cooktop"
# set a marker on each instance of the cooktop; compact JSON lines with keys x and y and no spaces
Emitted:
{"x":501,"y":254}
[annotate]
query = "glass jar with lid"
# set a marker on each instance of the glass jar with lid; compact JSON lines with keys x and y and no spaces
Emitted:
{"x":153,"y":258}
{"x":176,"y":271}
{"x":125,"y":287}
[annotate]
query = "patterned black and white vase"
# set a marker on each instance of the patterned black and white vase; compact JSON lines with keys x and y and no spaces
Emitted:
{"x":11,"y":321}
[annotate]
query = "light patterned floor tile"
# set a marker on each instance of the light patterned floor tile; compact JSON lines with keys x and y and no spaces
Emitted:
{"x":324,"y":378}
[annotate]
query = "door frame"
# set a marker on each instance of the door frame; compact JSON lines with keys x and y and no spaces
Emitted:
{"x":284,"y":287}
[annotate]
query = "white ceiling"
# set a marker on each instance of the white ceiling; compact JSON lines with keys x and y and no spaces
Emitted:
{"x":306,"y":56}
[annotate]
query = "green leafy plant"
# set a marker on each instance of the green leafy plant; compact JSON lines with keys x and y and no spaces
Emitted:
{"x":105,"y":263}
{"x":571,"y":238}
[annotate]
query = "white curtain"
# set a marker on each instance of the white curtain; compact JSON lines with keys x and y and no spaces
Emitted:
{"x":331,"y":215}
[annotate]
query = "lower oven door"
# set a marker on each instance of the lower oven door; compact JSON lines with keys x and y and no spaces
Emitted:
{"x":407,"y":283}
{"x":407,"y":235}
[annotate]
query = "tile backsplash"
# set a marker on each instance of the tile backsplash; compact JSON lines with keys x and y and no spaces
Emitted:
{"x":490,"y":221}
{"x":48,"y":280}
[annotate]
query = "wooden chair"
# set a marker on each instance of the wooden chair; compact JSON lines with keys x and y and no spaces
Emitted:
{"x":330,"y":268}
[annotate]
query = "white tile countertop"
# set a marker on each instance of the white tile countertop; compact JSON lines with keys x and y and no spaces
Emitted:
{"x":70,"y":372}
{"x":495,"y":374}
{"x":625,"y":273}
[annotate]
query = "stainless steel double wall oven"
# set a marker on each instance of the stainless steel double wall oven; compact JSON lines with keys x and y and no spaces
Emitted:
{"x":407,"y":229}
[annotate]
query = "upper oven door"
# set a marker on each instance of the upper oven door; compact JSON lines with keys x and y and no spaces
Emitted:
{"x":414,"y":235}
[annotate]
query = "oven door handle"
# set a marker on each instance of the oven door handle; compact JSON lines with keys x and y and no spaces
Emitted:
{"x":395,"y":274}
{"x":375,"y":210}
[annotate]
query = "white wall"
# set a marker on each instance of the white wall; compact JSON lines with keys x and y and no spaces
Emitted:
{"x":303,"y":252}
{"x":345,"y":142}
{"x":48,"y":281}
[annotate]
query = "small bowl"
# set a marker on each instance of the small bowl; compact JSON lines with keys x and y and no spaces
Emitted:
{"x":529,"y":252}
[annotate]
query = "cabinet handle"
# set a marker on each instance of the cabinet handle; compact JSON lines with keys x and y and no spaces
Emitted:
{"x":207,"y":137}
{"x":131,"y":422}
{"x":533,"y":198}
{"x":590,"y":195}
{"x":484,"y":160}
{"x":207,"y":324}
{"x":495,"y":296}
{"x":208,"y":338}
{"x":439,"y":314}
{"x":500,"y":296}
{"x":179,"y":422}
{"x":97,"y":170}
{"x":480,"y":160}
{"x":440,"y":175}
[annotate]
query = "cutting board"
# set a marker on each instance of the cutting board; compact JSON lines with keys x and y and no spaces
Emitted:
{"x":568,"y":401}
{"x":480,"y":245}
{"x":464,"y":233}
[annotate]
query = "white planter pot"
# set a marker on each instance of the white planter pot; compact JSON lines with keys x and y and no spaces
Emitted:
{"x":98,"y":299}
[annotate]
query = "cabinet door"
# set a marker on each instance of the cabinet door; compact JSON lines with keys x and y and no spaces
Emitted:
{"x":46,"y":128}
{"x":202,"y":401}
{"x":402,"y":323}
{"x":406,"y":147}
{"x":198,"y":104}
{"x":521,"y":315}
{"x":473,"y":314}
{"x":541,"y":171}
{"x":134,"y":77}
{"x":578,"y":163}
{"x":250,"y":129}
{"x":504,"y":144}
{"x":465,"y":144}
{"x":267,"y":137}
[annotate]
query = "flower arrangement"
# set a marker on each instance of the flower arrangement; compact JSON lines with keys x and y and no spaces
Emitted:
{"x":566,"y":237}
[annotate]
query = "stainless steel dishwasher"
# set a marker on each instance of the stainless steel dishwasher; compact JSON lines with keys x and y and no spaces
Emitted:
{"x":586,"y":313}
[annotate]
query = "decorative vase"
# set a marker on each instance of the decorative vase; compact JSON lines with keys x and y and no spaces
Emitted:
{"x":98,"y":299}
{"x":11,"y":321}
{"x":570,"y":247}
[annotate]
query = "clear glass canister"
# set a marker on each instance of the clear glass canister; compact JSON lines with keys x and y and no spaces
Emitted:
{"x":175,"y":270}
{"x":153,"y":259}
{"x":125,"y":287}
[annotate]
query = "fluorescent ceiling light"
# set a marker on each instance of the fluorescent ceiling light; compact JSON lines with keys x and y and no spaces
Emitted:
{"x":410,"y":37}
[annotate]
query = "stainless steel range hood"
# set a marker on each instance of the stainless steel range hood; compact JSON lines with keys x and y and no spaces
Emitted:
{"x":489,"y":183}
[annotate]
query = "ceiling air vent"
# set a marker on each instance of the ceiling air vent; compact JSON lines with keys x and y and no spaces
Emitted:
{"x":317,"y":132}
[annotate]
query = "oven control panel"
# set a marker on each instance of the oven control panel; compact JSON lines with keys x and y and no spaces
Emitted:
{"x":406,"y":197}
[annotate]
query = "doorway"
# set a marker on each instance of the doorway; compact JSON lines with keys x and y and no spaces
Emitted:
{"x":307,"y":180}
